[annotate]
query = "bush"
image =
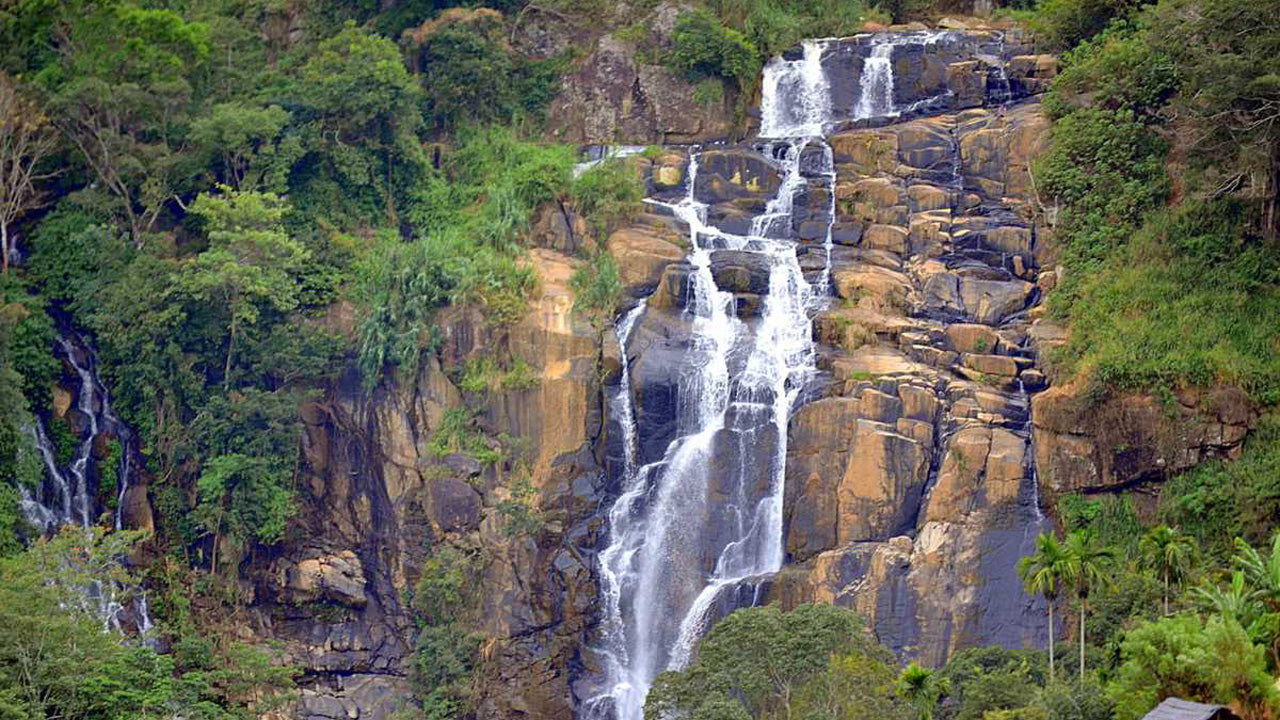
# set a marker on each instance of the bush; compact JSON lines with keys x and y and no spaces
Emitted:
{"x":1117,"y":70}
{"x":773,"y":26}
{"x":1218,"y":500}
{"x":1104,"y":170}
{"x":752,"y":654}
{"x":608,"y":193}
{"x":1076,"y":700}
{"x":1179,"y":305}
{"x":1062,"y":24}
{"x":470,"y":75}
{"x":1209,"y":661}
{"x":702,"y":46}
{"x":598,"y":288}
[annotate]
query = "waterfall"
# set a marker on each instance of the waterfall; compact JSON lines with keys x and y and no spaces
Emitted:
{"x":875,"y":88}
{"x":794,"y":100}
{"x":698,"y":520}
{"x":674,"y":551}
{"x":67,"y":495}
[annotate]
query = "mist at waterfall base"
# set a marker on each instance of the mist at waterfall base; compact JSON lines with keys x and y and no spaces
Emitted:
{"x":67,"y":496}
{"x":698,"y":527}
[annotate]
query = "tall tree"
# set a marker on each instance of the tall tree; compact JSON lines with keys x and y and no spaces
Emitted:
{"x":1043,"y":574}
{"x":119,"y":92}
{"x":1224,"y":53}
{"x":365,"y":112}
{"x":1169,"y":553}
{"x":1088,"y":567}
{"x":250,"y":263}
{"x":26,"y":139}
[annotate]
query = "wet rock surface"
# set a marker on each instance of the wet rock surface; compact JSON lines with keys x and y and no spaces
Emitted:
{"x":911,"y":491}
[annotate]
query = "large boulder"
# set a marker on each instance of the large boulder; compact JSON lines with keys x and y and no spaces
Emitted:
{"x":1088,"y":445}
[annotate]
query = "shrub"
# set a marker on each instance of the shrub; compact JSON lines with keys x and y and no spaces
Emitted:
{"x":1117,"y":70}
{"x":1218,"y":500}
{"x":1062,"y":24}
{"x":609,"y":193}
{"x":1209,"y":661}
{"x":1179,"y":305}
{"x":470,"y":75}
{"x":702,"y":46}
{"x":598,"y":288}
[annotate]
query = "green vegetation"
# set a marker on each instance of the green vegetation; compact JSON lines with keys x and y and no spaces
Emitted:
{"x":56,"y":661}
{"x":815,"y":661}
{"x":1218,"y":501}
{"x":1163,"y":295}
{"x":444,"y":603}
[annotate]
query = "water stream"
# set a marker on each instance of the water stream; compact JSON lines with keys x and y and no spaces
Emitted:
{"x":68,"y":493}
{"x":697,"y":524}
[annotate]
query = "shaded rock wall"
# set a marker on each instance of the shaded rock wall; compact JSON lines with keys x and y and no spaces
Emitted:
{"x":375,"y":500}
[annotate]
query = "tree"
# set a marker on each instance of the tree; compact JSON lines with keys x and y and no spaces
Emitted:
{"x":921,"y":687}
{"x":1169,"y":553}
{"x":244,"y":497}
{"x":1210,"y":661}
{"x":27,"y":139}
{"x":363,"y":108}
{"x":1088,"y":565}
{"x":759,"y":660}
{"x":852,"y":687}
{"x":56,"y":659}
{"x":1043,"y":574}
{"x":119,"y":93}
{"x":251,"y":261}
{"x":249,"y":145}
{"x":1236,"y":123}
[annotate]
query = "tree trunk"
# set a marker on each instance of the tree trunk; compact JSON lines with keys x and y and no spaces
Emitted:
{"x":4,"y":245}
{"x":1082,"y":639}
{"x":1051,"y":641}
{"x":1166,"y":591}
{"x":231,"y":346}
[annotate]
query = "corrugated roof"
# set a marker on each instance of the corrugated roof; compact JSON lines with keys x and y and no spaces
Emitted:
{"x":1176,"y":709}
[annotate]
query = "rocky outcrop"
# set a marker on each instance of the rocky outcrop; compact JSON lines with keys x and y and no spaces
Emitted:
{"x":613,"y":97}
{"x":377,"y":499}
{"x":910,"y":484}
{"x":1108,"y":444}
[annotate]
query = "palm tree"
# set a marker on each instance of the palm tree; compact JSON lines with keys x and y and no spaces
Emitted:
{"x":1236,"y":601}
{"x":1088,"y":566}
{"x":1042,"y":574}
{"x":1261,"y":570}
{"x":921,"y":687}
{"x":1169,"y":553}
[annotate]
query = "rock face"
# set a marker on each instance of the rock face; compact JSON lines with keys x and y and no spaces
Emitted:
{"x":376,"y":499}
{"x":911,"y":465}
{"x":613,"y":97}
{"x":1117,"y":442}
{"x":910,"y":484}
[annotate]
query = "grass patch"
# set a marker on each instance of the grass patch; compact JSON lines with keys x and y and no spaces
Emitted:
{"x":1218,"y":501}
{"x":1183,"y":302}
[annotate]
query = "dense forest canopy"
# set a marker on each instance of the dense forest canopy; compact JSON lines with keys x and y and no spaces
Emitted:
{"x":192,"y":185}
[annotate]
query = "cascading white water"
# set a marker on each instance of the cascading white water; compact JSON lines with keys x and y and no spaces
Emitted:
{"x":875,"y":88}
{"x":795,"y":100}
{"x":732,"y":426}
{"x":66,"y":497}
{"x":697,"y":522}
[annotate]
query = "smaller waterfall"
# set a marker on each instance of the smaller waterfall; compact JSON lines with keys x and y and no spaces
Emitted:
{"x":67,"y":495}
{"x":875,"y":89}
{"x":795,"y":99}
